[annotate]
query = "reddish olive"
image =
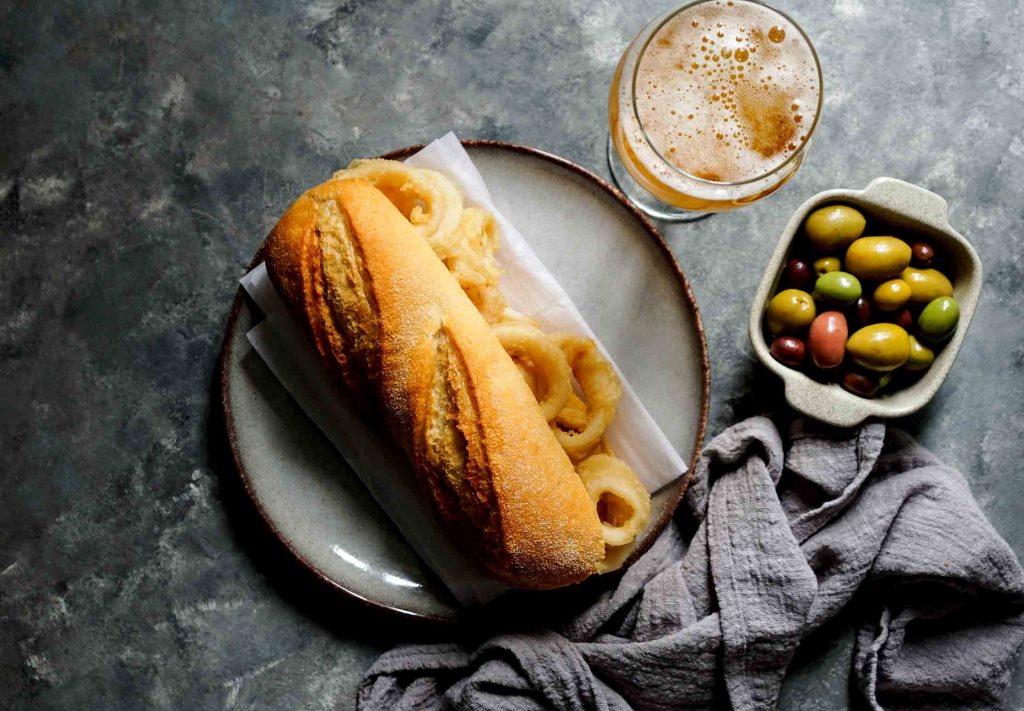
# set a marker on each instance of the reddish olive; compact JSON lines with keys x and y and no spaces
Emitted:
{"x":789,"y":351}
{"x":921,"y":254}
{"x":859,"y":384}
{"x":903,"y":318}
{"x":862,"y":311}
{"x":827,"y":339}
{"x":797,"y":274}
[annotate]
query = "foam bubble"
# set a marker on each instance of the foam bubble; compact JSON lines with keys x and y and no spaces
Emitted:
{"x":727,"y":91}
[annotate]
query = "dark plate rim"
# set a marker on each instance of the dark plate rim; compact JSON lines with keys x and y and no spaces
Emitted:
{"x":689,"y":299}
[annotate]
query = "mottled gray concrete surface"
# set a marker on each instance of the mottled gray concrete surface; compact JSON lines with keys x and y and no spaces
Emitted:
{"x":147,"y":147}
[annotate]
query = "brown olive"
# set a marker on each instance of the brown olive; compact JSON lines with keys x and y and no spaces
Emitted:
{"x":797,"y":274}
{"x":789,"y":350}
{"x":922,"y":254}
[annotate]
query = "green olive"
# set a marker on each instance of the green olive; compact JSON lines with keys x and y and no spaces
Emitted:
{"x":831,"y":228}
{"x":826,"y":265}
{"x":790,"y":310}
{"x":921,"y":356}
{"x":877,"y":258}
{"x":892,"y":295}
{"x":939,"y":318}
{"x":880,"y":346}
{"x":926,"y":285}
{"x":837,"y":288}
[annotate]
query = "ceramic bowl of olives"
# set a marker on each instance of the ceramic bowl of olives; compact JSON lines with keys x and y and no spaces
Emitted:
{"x":865,"y":302}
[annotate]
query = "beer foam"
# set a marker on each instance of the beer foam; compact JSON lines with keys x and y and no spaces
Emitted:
{"x":727,"y":91}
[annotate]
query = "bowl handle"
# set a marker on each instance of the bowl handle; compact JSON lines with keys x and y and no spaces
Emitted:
{"x":903,"y":197}
{"x":805,"y":396}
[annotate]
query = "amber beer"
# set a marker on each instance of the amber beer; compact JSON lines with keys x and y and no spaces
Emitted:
{"x":712,"y":105}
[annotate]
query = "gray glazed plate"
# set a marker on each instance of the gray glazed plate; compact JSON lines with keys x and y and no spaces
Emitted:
{"x":624,"y":280}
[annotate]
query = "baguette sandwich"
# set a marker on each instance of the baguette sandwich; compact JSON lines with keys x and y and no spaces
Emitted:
{"x":387,"y":316}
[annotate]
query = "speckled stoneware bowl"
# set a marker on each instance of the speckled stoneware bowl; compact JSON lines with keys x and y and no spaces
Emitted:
{"x":622,"y":276}
{"x":907,"y":208}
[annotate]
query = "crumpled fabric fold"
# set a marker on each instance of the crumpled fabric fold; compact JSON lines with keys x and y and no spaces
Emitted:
{"x":789,"y":530}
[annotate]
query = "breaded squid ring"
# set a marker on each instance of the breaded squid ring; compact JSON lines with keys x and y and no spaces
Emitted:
{"x":510,"y":315}
{"x":574,"y":415}
{"x":488,"y":301}
{"x":546,"y":360}
{"x":427,"y":199}
{"x":601,"y":391}
{"x":614,"y":557}
{"x":622,"y":502}
{"x":473,"y":262}
{"x":527,"y":372}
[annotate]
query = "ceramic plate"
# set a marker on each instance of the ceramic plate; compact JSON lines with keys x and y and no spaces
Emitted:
{"x":620,"y":273}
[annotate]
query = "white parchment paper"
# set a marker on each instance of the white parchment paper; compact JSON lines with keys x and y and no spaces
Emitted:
{"x":373,"y":455}
{"x":530,"y":289}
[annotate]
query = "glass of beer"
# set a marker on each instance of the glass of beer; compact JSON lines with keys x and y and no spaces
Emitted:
{"x":712,"y":107}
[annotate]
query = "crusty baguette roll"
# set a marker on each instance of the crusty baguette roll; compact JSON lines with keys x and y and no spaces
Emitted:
{"x":388,"y":317}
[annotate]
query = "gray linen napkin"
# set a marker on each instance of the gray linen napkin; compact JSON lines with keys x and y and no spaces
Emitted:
{"x":785,"y":539}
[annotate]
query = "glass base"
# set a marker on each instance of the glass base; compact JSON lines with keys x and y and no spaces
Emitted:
{"x":647,"y":203}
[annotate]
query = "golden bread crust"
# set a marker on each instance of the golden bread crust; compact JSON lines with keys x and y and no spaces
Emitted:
{"x":387,"y":316}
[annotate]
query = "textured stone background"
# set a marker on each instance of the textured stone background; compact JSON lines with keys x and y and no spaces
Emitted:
{"x":147,"y":147}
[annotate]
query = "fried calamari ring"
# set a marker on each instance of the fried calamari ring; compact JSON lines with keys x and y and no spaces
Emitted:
{"x":488,"y":301}
{"x":464,"y":239}
{"x":601,"y":391}
{"x":546,"y":361}
{"x":510,"y":315}
{"x":574,"y":415}
{"x":614,"y":557}
{"x":473,"y":262}
{"x":622,"y":502}
{"x":428,"y":200}
{"x":527,"y":373}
